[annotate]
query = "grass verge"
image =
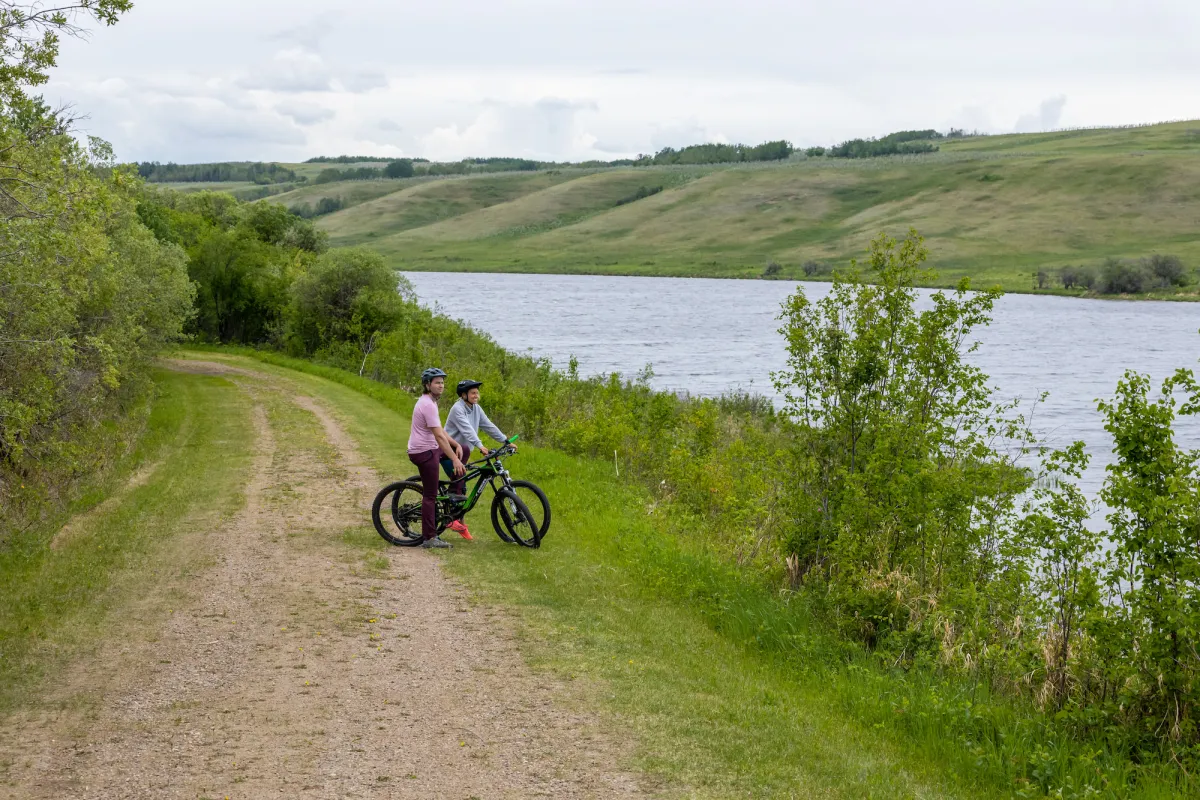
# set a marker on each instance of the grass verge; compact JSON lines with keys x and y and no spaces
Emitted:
{"x":54,"y":599}
{"x":613,"y":602}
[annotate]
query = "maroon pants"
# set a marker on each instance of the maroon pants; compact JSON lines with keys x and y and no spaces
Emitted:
{"x":427,"y":465}
{"x":457,"y":485}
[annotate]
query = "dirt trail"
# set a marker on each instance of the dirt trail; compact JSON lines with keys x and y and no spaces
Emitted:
{"x":296,"y":672}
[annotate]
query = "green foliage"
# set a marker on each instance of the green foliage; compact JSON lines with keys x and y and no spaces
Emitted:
{"x":326,"y":205}
{"x":897,"y":485}
{"x":720,"y":153}
{"x":29,"y":37}
{"x":331,"y":175}
{"x":254,"y":172}
{"x":1118,"y":276}
{"x":874,"y":148}
{"x":402,"y":168}
{"x":1149,"y":639}
{"x":345,"y":296}
{"x":351,"y":159}
{"x":87,"y":294}
{"x":241,"y":258}
{"x":1063,"y":594}
{"x":642,"y":193}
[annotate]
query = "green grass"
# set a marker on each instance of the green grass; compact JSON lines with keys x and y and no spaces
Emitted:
{"x":54,"y":601}
{"x":995,"y":220}
{"x":994,"y":208}
{"x":730,"y":688}
{"x":430,"y":202}
{"x":709,"y":714}
{"x":351,"y":193}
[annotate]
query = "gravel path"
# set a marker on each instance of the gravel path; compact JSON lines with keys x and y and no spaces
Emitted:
{"x":294,"y":670}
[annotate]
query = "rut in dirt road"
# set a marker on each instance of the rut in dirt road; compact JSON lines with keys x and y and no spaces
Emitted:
{"x":298,"y":672}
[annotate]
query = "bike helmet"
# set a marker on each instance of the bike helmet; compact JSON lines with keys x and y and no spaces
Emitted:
{"x":466,"y":386}
{"x":428,"y":375}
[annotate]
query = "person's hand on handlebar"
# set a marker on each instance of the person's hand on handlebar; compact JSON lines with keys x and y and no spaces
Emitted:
{"x":483,"y":451}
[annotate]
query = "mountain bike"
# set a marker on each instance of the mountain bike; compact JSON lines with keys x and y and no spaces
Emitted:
{"x":520,"y":509}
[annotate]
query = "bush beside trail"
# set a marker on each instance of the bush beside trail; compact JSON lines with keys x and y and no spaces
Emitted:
{"x":87,"y":294}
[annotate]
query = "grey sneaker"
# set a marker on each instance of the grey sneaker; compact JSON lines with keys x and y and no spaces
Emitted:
{"x":436,"y":543}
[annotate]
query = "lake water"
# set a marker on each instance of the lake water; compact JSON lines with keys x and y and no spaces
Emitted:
{"x":708,"y":336}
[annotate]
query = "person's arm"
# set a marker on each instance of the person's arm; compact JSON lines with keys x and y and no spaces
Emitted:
{"x":489,"y":427}
{"x":450,"y":448}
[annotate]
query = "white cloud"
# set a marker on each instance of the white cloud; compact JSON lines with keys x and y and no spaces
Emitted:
{"x":605,"y":78}
{"x":1047,"y":116}
{"x":363,"y":81}
{"x":304,"y":113}
{"x":292,"y":70}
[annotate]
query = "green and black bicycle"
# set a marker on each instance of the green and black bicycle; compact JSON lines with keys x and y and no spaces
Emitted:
{"x":520,"y":509}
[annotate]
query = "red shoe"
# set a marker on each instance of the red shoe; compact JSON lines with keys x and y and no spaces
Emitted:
{"x":458,"y":527}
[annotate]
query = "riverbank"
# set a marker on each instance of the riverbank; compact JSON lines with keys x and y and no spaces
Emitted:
{"x":716,"y":684}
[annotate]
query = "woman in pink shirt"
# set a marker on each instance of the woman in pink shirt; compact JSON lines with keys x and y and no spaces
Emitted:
{"x":426,"y":443}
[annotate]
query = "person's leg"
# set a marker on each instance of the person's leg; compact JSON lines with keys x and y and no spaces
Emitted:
{"x":427,"y":466}
{"x":459,"y":485}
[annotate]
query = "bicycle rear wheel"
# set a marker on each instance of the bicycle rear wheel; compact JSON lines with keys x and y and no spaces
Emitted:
{"x":396,"y":513}
{"x":511,"y":516}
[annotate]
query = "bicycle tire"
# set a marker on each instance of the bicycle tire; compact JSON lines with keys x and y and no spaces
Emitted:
{"x":543,"y":503}
{"x":510,"y":511}
{"x":401,"y":527}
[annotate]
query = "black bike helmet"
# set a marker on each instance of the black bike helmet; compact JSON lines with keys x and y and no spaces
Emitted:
{"x":428,"y":375}
{"x":466,"y":386}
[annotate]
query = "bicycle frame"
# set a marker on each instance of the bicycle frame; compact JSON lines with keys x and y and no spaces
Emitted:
{"x":486,"y":471}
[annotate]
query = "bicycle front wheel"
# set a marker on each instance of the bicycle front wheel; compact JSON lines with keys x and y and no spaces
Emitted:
{"x":537,"y":503}
{"x":511,"y":516}
{"x":396,"y":513}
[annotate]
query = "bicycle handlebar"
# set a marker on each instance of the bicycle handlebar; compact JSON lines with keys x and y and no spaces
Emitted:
{"x":503,"y":450}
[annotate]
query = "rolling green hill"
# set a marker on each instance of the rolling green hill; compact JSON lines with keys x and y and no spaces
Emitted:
{"x":995,"y":208}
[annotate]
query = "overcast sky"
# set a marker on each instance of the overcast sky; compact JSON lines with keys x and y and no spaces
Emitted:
{"x":186,"y":81}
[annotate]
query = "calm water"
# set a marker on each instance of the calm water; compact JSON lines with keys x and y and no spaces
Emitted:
{"x":709,"y":336}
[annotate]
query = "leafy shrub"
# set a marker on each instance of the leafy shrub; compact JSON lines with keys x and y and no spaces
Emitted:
{"x":772,"y":269}
{"x":326,"y":205}
{"x":814,"y":268}
{"x":814,"y":152}
{"x":895,"y":477}
{"x":1041,"y":278}
{"x":88,"y":295}
{"x":1077,"y":278}
{"x":1167,"y":270}
{"x":240,"y":257}
{"x":348,"y":296}
{"x":1123,"y":277}
{"x":641,"y":193}
{"x":402,"y":168}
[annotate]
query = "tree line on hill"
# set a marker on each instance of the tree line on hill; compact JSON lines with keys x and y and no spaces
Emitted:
{"x":252,"y":171}
{"x":898,"y":143}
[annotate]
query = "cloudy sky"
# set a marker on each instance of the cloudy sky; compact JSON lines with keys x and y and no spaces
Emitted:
{"x":186,"y":81}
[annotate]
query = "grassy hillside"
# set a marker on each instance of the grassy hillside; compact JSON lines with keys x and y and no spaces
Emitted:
{"x":995,"y":208}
